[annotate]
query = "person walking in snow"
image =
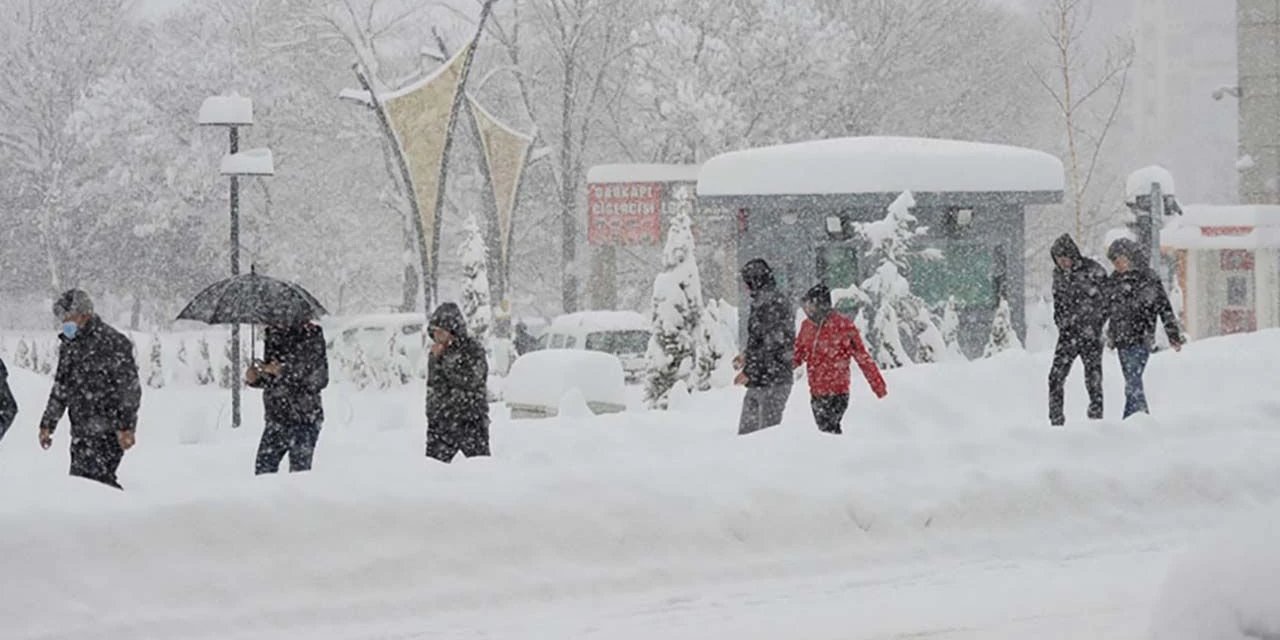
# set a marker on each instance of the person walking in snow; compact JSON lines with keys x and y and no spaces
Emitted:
{"x":1135,"y":297}
{"x":8,"y":406}
{"x":97,"y":385}
{"x":524,"y":341}
{"x":765,"y":365}
{"x":457,"y":389}
{"x":294,"y":370}
{"x":1079,"y":311}
{"x":826,"y":343}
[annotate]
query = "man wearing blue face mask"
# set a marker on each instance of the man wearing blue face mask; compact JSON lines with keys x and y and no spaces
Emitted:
{"x":97,"y":384}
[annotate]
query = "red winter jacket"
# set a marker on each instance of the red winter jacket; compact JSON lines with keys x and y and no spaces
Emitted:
{"x":827,"y":350}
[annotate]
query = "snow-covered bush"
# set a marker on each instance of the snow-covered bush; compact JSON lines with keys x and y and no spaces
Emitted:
{"x":204,"y":364}
{"x":950,"y":329}
{"x":1003,"y":337}
{"x":155,"y":364}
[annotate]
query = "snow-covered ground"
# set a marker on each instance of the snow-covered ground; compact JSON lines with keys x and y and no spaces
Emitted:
{"x":948,"y":510}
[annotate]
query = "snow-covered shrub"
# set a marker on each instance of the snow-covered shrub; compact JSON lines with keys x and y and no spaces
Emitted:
{"x":1003,"y":337}
{"x":677,"y":313}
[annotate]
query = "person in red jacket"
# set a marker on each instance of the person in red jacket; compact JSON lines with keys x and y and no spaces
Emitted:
{"x":826,"y":342}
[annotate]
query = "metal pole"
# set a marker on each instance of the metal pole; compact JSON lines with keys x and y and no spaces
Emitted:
{"x":235,"y":271}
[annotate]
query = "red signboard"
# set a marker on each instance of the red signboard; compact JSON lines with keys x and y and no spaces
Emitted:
{"x":624,"y":213}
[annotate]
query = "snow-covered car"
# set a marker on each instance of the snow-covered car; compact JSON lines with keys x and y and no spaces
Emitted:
{"x":373,"y":335}
{"x":541,"y":383}
{"x":624,"y":334}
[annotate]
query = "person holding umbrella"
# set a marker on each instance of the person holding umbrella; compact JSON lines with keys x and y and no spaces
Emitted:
{"x":457,"y":389}
{"x":294,"y":370}
{"x":295,"y":367}
{"x":97,"y":384}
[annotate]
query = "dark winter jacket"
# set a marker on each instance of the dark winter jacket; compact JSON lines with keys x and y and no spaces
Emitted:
{"x":96,"y":383}
{"x":771,"y":331}
{"x":293,"y":397}
{"x":1135,"y":298}
{"x":1079,"y":293}
{"x":826,"y":347}
{"x":8,"y":406}
{"x":457,"y":381}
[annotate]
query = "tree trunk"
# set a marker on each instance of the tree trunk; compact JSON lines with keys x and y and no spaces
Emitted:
{"x":568,"y":223}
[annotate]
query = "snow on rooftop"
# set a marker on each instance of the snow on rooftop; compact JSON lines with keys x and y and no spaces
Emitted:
{"x":615,"y":173}
{"x":226,"y":110}
{"x":1140,"y":181}
{"x":880,"y":165}
{"x":1223,"y":227}
{"x":252,"y":162}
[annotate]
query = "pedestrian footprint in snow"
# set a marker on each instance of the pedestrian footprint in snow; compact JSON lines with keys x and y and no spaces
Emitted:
{"x":1079,"y":310}
{"x":826,"y":344}
{"x":765,"y":365}
{"x":97,"y":385}
{"x":1135,"y":297}
{"x":294,"y":370}
{"x":457,"y":389}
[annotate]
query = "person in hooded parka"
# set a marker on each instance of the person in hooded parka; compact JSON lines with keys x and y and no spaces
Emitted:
{"x":1079,"y":311}
{"x":457,"y":389}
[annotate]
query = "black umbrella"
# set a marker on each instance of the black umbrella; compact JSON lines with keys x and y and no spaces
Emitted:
{"x":253,"y":299}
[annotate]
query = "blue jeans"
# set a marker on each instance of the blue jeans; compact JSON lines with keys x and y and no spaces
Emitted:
{"x":1133,"y":361}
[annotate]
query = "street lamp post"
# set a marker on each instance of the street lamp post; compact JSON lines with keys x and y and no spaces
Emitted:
{"x":234,"y":112}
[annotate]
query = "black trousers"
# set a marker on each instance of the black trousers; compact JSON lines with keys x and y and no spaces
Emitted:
{"x":1089,"y":350}
{"x":445,"y":446}
{"x":97,"y":458}
{"x":828,"y":411}
{"x":297,"y":440}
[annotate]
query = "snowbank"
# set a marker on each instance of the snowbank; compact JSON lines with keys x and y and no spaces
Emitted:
{"x":1140,"y":181}
{"x":880,"y":165}
{"x":1227,"y":588}
{"x":958,"y":456}
{"x":540,"y":380}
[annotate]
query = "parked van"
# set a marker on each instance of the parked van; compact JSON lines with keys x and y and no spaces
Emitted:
{"x":622,"y":333}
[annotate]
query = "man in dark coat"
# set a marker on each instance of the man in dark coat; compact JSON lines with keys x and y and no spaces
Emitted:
{"x":295,"y":369}
{"x":1136,"y":296}
{"x":457,"y":389}
{"x":97,"y":384}
{"x":766,"y":363}
{"x":524,"y":341}
{"x":1079,"y":310}
{"x":8,"y":406}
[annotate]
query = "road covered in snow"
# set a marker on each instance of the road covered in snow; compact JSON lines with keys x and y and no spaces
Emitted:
{"x":949,"y":510}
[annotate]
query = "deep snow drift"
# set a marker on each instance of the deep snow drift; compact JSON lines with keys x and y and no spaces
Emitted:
{"x":958,"y":462}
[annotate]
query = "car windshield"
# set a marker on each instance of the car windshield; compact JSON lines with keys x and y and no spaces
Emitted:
{"x":618,"y":342}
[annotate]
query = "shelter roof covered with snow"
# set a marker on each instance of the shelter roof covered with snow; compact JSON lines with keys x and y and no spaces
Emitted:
{"x":622,"y":173}
{"x":1209,"y":227}
{"x":877,"y":165}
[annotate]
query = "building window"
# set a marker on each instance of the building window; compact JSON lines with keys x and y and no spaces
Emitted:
{"x":1238,"y":291}
{"x":967,"y":271}
{"x":1236,"y":260}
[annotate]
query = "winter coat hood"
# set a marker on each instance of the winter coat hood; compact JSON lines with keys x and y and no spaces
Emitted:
{"x":449,"y":317}
{"x":1066,"y":247}
{"x":1129,"y":249}
{"x":818,"y":295}
{"x":758,"y":276}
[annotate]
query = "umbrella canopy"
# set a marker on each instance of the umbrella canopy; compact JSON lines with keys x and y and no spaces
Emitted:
{"x":253,"y":299}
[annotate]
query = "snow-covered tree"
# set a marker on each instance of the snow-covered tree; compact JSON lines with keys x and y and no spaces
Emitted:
{"x":48,"y":358}
{"x":401,"y":368}
{"x":931,"y":347}
{"x":475,"y":281}
{"x":204,"y":364}
{"x":950,"y":329}
{"x":716,"y":344}
{"x":1003,"y":337}
{"x":228,"y":376}
{"x":886,"y":337}
{"x":677,"y":313}
{"x":22,"y":355}
{"x":155,"y":365}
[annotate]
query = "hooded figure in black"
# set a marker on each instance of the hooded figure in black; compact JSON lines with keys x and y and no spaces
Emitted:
{"x":295,"y":369}
{"x":8,"y":406}
{"x":97,"y":385}
{"x":457,"y":389}
{"x":1136,"y":296}
{"x":1079,"y":310}
{"x":766,"y":367}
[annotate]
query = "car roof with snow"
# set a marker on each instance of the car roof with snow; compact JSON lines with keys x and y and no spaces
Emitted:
{"x":601,"y":321}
